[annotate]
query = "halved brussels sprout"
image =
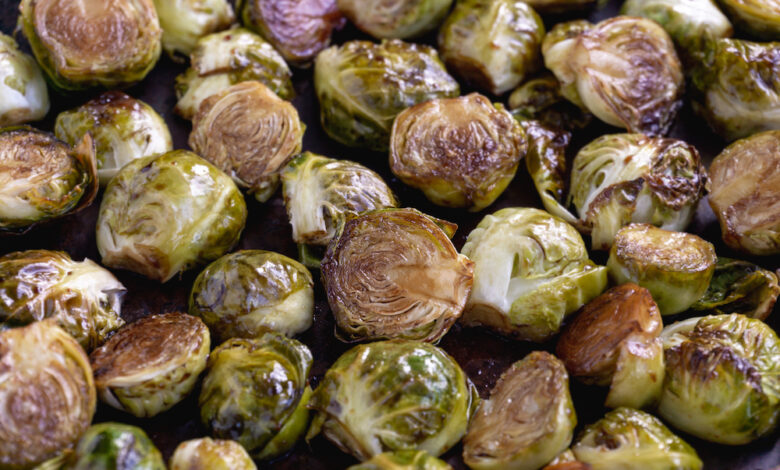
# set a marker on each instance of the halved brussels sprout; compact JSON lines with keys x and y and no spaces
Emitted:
{"x":402,"y":460}
{"x":80,"y":45}
{"x":163,"y":214}
{"x":528,"y":420}
{"x":756,"y":17}
{"x":256,"y":392}
{"x":83,"y":298}
{"x":394,"y":273}
{"x":492,"y":44}
{"x":740,"y":287}
{"x":185,"y":21}
{"x":676,"y":267}
{"x":47,"y":396}
{"x":208,"y":454}
{"x":23,"y":93}
{"x":123,"y":129}
{"x":393,"y":395}
{"x":400,"y":19}
{"x":633,"y":440}
{"x":615,"y":340}
{"x":540,"y":99}
{"x":362,"y":86}
{"x":624,"y":70}
{"x":461,"y":152}
{"x":42,"y":178}
{"x":722,"y":378}
{"x":114,"y":446}
{"x":531,"y":270}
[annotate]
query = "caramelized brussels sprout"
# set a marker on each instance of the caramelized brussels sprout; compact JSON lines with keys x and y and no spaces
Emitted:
{"x":163,"y":214}
{"x":23,"y":93}
{"x":756,"y":17}
{"x":123,"y":129}
{"x":208,"y":454}
{"x":540,"y":99}
{"x":740,"y":287}
{"x":393,"y":395}
{"x":362,"y":86}
{"x":528,"y":420}
{"x":402,"y":460}
{"x":185,"y":21}
{"x":531,"y":270}
{"x":400,"y":19}
{"x":114,"y":446}
{"x":80,"y":44}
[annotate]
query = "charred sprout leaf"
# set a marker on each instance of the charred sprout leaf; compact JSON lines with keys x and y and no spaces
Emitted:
{"x":492,"y":44}
{"x":531,"y":270}
{"x":23,"y":93}
{"x":185,"y":21}
{"x":363,"y":86}
{"x":759,"y":18}
{"x":400,"y":19}
{"x":402,"y":460}
{"x":528,"y":420}
{"x":208,"y":454}
{"x":82,"y":44}
{"x":722,"y":378}
{"x":114,"y":446}
{"x":162,"y":215}
{"x":123,"y":129}
{"x":540,"y":99}
{"x":393,"y":395}
{"x":461,"y":152}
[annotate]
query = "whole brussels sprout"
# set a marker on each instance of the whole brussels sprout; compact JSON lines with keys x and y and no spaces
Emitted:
{"x":722,"y":378}
{"x":633,"y":440}
{"x":540,"y":99}
{"x":112,"y":43}
{"x":624,"y":70}
{"x":402,"y":460}
{"x":23,"y":93}
{"x":208,"y":454}
{"x":528,"y":420}
{"x":255,"y":393}
{"x":83,"y":298}
{"x":163,"y":214}
{"x":249,"y":133}
{"x":756,"y":17}
{"x":400,"y":19}
{"x":531,"y":270}
{"x":114,"y":446}
{"x":46,"y":393}
{"x":185,"y":21}
{"x":393,"y":395}
{"x":123,"y":129}
{"x":461,"y":152}
{"x":363,"y":86}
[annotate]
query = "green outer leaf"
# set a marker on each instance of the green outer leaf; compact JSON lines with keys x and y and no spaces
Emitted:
{"x":739,"y":287}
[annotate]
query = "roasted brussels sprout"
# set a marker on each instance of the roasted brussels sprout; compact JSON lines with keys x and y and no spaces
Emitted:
{"x":461,"y":152}
{"x":114,"y":446}
{"x":394,"y":273}
{"x":110,"y":43}
{"x":531,"y":269}
{"x":722,"y":378}
{"x":393,"y":395}
{"x":400,"y":19}
{"x":185,"y":21}
{"x":740,"y":287}
{"x":492,"y":44}
{"x":540,"y":99}
{"x":208,"y":454}
{"x":47,"y":396}
{"x":630,"y":439}
{"x":23,"y":93}
{"x":756,"y":17}
{"x":163,"y":214}
{"x":255,"y":393}
{"x":402,"y":460}
{"x":528,"y":420}
{"x":123,"y":129}
{"x":615,"y":340}
{"x":42,"y":178}
{"x":624,"y":70}
{"x":362,"y":86}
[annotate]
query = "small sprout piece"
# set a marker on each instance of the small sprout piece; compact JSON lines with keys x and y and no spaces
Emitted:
{"x":531,"y":270}
{"x":123,"y":129}
{"x":402,"y":460}
{"x":759,"y":18}
{"x":400,"y":19}
{"x":23,"y":93}
{"x":393,"y":395}
{"x":46,"y":393}
{"x":185,"y":21}
{"x":163,"y":214}
{"x":394,"y":273}
{"x":363,"y":86}
{"x":114,"y":446}
{"x":722,"y":378}
{"x":208,"y":454}
{"x":615,"y":340}
{"x":528,"y":420}
{"x":540,"y":99}
{"x":566,"y":461}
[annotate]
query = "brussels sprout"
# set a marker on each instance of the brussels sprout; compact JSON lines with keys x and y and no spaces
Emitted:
{"x":461,"y":152}
{"x":255,"y":393}
{"x":722,"y":378}
{"x":745,"y":183}
{"x":566,"y":461}
{"x":540,"y":99}
{"x":393,"y":395}
{"x":531,"y":269}
{"x":362,"y":86}
{"x":630,"y":439}
{"x":615,"y":340}
{"x":249,"y":133}
{"x":208,"y":454}
{"x":528,"y":420}
{"x":401,"y":19}
{"x":23,"y":93}
{"x":394,"y":273}
{"x":42,"y":178}
{"x":223,"y":59}
{"x":110,"y":44}
{"x":83,"y":298}
{"x":46,"y":393}
{"x":492,"y":44}
{"x":402,"y":460}
{"x":757,"y":17}
{"x":123,"y":129}
{"x":185,"y":21}
{"x":624,"y":70}
{"x":163,"y":214}
{"x":114,"y":446}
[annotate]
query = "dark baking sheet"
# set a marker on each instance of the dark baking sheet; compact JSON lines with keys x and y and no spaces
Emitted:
{"x":482,"y":355}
